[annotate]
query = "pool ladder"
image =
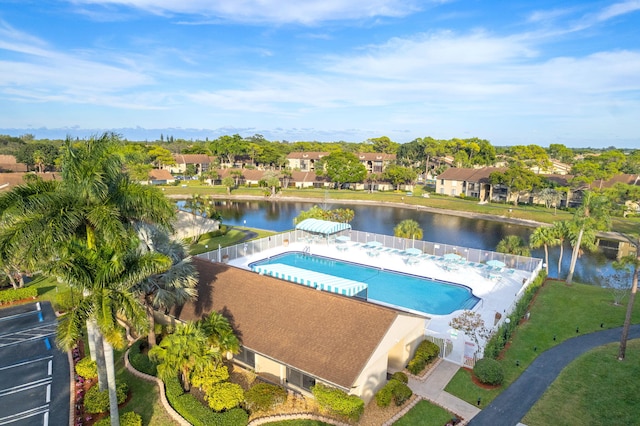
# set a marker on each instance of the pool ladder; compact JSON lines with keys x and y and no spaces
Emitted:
{"x":307,"y":250}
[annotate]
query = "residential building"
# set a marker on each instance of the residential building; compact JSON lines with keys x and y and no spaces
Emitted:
{"x":201,"y":162}
{"x":160,"y":177}
{"x":296,"y":336}
{"x":304,"y":161}
{"x":469,"y":182}
{"x":376,"y":162}
{"x":8,"y":163}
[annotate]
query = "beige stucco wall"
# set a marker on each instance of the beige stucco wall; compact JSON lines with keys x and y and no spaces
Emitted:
{"x":269,"y":366}
{"x":392,"y":354}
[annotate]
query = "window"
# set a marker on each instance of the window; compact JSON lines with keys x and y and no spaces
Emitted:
{"x":453,"y":192}
{"x":299,"y":379}
{"x":454,"y":183}
{"x":247,"y":357}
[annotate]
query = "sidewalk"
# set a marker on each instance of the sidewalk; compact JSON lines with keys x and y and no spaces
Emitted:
{"x":432,"y":389}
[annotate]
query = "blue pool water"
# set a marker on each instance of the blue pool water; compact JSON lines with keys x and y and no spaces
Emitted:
{"x":388,"y":287}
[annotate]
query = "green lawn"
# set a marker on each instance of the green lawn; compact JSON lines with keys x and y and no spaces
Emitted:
{"x":595,"y":389}
{"x":233,"y":236}
{"x":425,"y":414}
{"x":557,"y":311}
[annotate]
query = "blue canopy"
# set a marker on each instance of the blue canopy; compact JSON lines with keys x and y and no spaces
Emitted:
{"x":324,"y":227}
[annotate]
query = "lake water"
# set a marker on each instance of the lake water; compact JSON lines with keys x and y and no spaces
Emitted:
{"x":278,"y":216}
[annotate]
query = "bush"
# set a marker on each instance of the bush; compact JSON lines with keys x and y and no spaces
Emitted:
{"x":338,"y":402}
{"x":96,"y":401}
{"x":87,"y":368}
{"x":140,"y":361}
{"x":13,"y":294}
{"x":394,"y":389}
{"x":197,"y":414}
{"x":426,"y":352}
{"x":264,"y":396}
{"x":400,"y":376}
{"x":489,"y":371}
{"x":126,"y":419}
{"x":224,"y":396}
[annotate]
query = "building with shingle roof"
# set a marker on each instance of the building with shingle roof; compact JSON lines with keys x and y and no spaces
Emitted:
{"x":297,"y":336}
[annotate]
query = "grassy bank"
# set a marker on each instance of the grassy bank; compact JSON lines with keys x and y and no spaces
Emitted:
{"x":558,"y":311}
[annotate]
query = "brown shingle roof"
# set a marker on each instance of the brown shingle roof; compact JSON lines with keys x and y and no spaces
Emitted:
{"x":323,"y":334}
{"x":192,"y":158}
{"x":161,"y":174}
{"x":312,"y":155}
{"x":469,"y":175}
{"x":628,"y":179}
{"x":13,"y":179}
{"x":376,"y":156}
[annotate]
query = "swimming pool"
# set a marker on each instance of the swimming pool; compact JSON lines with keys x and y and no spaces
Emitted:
{"x":387,"y":287}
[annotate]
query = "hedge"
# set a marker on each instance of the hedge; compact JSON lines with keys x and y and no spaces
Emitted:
{"x":338,"y":401}
{"x":394,"y":389}
{"x":14,"y":294}
{"x":97,"y":401}
{"x":197,"y":414}
{"x":264,"y":396}
{"x":498,"y":341}
{"x":126,"y":419}
{"x":140,"y":361}
{"x":87,"y":368}
{"x":427,"y":351}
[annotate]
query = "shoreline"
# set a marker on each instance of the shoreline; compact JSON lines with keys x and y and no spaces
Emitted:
{"x":460,"y":213}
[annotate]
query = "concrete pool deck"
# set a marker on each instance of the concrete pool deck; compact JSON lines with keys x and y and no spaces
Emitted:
{"x":496,"y":294}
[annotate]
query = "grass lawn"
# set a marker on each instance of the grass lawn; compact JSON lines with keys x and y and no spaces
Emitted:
{"x":233,"y":236}
{"x":425,"y":414}
{"x":558,"y":310}
{"x":594,"y":389}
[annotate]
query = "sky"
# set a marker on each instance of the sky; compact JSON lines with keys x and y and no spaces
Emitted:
{"x":516,"y":72}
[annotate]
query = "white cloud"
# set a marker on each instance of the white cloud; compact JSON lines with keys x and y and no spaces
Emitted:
{"x":618,"y":9}
{"x":271,"y":11}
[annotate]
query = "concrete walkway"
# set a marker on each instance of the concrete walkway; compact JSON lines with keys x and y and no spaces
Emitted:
{"x":432,"y":389}
{"x":516,"y":401}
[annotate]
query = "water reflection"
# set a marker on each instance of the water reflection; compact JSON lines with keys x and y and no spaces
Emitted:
{"x":437,"y":227}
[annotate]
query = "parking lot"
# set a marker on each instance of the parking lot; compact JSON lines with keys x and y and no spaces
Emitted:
{"x":34,"y":374}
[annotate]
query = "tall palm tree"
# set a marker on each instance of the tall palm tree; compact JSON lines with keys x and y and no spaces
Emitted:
{"x":222,"y":339}
{"x":543,"y":236}
{"x":591,"y":216}
{"x":561,"y":231}
{"x":174,"y":286}
{"x":408,"y":228}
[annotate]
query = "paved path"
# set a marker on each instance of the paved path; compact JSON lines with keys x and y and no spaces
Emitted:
{"x":432,"y":388}
{"x":516,"y":401}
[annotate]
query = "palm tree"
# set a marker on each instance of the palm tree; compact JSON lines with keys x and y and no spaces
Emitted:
{"x":174,"y":286}
{"x":634,"y":261}
{"x":107,"y":274}
{"x":561,"y":231}
{"x":544,"y":236}
{"x":182,"y":352}
{"x":591,"y":216}
{"x":221,"y":337}
{"x":408,"y":228}
{"x":513,"y":244}
{"x":94,"y":207}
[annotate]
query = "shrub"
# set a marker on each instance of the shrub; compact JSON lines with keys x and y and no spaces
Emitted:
{"x":97,"y":401}
{"x":384,"y":396}
{"x":338,"y":402}
{"x":426,"y":352}
{"x":209,"y":376}
{"x":394,"y":389}
{"x":126,"y":419}
{"x":224,"y":396}
{"x":197,"y":414}
{"x":264,"y":396}
{"x":140,"y":361}
{"x":87,"y":368}
{"x":400,"y":376}
{"x":13,"y":294}
{"x":489,"y":371}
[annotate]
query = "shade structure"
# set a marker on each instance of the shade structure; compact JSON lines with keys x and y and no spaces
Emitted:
{"x":343,"y":239}
{"x":324,"y":227}
{"x":496,"y":263}
{"x":413,"y":251}
{"x":452,"y":256}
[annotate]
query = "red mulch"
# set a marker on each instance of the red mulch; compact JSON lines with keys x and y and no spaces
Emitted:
{"x":479,"y":383}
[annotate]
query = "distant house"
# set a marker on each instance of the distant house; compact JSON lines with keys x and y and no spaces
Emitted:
{"x":469,"y":182}
{"x":201,"y":162}
{"x":556,"y":168}
{"x":376,"y":162}
{"x":304,"y":161}
{"x":301,"y":179}
{"x":160,"y":177}
{"x":297,"y":336}
{"x":8,"y":163}
{"x":10,"y":180}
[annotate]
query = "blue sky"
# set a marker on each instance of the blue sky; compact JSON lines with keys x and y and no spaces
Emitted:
{"x":515,"y":72}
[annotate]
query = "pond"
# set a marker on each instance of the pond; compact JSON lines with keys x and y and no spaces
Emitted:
{"x":483,"y":234}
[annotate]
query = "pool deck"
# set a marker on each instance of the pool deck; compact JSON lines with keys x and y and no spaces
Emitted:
{"x":496,"y":289}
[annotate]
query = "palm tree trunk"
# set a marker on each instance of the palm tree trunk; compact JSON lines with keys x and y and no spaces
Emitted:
{"x":560,"y":258}
{"x":627,"y":319}
{"x":546,"y":259}
{"x":91,"y":338}
{"x":574,"y":256}
{"x":100,"y":360}
{"x":151,"y":337}
{"x":111,"y":379}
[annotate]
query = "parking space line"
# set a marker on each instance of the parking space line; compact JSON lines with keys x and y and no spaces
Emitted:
{"x":48,"y":399}
{"x":30,"y":361}
{"x":16,"y":316}
{"x":24,"y":414}
{"x":25,"y":386}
